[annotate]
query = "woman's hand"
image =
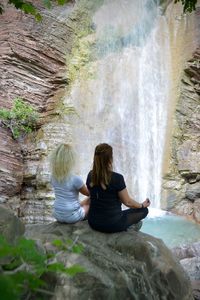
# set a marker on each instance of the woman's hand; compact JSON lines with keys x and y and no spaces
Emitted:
{"x":146,"y":203}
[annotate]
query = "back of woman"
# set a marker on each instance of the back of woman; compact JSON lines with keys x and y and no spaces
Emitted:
{"x":67,"y":185}
{"x":107,"y":193}
{"x":67,"y":196}
{"x":105,"y":205}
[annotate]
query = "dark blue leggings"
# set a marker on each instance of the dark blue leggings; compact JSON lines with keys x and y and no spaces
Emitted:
{"x":129,"y":217}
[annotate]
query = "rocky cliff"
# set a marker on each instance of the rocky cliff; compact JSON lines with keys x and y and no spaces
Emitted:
{"x":181,"y":186}
{"x":33,"y":67}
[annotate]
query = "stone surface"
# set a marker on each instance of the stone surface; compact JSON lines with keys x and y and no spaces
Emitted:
{"x":189,"y":257}
{"x":192,"y":267}
{"x":11,"y":166}
{"x":33,"y":56}
{"x":193,"y":191}
{"x":128,"y":265}
{"x":10,"y":226}
{"x":184,"y":197}
{"x":32,"y":66}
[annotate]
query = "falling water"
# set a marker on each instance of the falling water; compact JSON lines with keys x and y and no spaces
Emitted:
{"x":125,"y":103}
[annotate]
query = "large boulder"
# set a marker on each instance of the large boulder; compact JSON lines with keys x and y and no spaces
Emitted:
{"x":127,"y":265}
{"x":10,"y":226}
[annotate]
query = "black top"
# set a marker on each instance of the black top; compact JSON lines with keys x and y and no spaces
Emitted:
{"x":105,"y":205}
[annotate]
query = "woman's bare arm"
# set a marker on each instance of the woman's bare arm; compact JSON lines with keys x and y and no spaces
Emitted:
{"x":84,"y":190}
{"x":130,"y":202}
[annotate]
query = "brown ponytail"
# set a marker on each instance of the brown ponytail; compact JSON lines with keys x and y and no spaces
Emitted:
{"x":102,"y":165}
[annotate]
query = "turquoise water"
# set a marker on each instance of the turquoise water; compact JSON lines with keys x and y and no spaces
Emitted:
{"x":173,"y":230}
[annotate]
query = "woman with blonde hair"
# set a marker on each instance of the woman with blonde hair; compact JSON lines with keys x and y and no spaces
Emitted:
{"x":107,"y":193}
{"x":67,"y":186}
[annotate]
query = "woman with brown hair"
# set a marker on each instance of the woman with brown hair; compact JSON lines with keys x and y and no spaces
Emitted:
{"x":107,"y":193}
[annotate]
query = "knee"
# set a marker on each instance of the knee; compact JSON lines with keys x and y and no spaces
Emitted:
{"x":146,"y":211}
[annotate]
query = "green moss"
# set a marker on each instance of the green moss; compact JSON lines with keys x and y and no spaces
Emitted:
{"x":79,"y":61}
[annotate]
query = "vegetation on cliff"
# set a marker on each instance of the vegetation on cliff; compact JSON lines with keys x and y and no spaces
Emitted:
{"x":29,"y":8}
{"x":21,"y":119}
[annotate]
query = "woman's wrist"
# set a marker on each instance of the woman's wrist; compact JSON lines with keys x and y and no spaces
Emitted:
{"x":142,"y":206}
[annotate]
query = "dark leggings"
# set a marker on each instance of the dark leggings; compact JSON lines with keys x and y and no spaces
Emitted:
{"x":129,"y":217}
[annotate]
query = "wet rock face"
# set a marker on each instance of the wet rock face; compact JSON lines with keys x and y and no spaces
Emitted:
{"x":11,"y":166}
{"x":33,"y":67}
{"x":33,"y":56}
{"x":181,"y":187}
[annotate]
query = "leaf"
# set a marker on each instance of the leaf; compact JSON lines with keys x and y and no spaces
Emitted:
{"x":58,"y":243}
{"x":5,"y":248}
{"x":75,"y":269}
{"x":28,"y":8}
{"x":188,"y":5}
{"x":62,"y":2}
{"x":77,"y":249}
{"x":1,"y":9}
{"x":17,"y":3}
{"x":56,"y":267}
{"x":38,"y":17}
{"x":25,"y":274}
{"x":47,"y":3}
{"x":8,"y":289}
{"x":4,"y":114}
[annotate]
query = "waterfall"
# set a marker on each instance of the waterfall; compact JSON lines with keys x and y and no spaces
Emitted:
{"x":125,"y":103}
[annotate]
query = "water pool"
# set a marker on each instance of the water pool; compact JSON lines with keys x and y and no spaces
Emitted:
{"x":172,"y":229}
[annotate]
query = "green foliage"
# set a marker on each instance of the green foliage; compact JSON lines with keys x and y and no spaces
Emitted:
{"x":68,"y":245}
{"x":21,"y":119}
{"x":1,"y":9}
{"x":29,"y":8}
{"x":188,"y":5}
{"x":80,"y":58}
{"x":23,"y":269}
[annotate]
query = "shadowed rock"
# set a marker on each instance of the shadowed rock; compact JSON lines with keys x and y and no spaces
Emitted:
{"x":10,"y":226}
{"x":128,"y":265}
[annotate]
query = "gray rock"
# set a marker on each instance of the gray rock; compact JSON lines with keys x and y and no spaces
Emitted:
{"x":128,"y":265}
{"x":192,"y":267}
{"x":187,"y":251}
{"x":185,"y":151}
{"x":10,"y":226}
{"x":193,"y":191}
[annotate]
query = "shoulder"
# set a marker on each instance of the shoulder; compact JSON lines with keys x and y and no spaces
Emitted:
{"x":116,"y":175}
{"x":117,"y":180}
{"x":74,"y":176}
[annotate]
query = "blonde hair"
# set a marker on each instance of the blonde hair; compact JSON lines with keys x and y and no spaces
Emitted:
{"x":102,"y":165}
{"x":62,"y":161}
